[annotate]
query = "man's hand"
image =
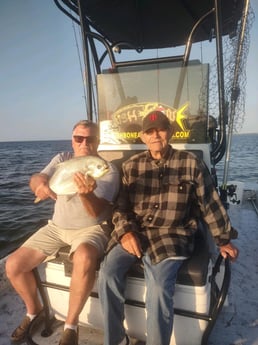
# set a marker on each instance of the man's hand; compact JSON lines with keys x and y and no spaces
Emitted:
{"x":85,"y":184}
{"x":39,"y":186}
{"x":229,"y":250}
{"x":130,"y":242}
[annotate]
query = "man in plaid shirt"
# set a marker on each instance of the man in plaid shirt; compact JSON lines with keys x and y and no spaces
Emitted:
{"x":163,"y":194}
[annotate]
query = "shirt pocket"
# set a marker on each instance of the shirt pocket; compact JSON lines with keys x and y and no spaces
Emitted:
{"x":178,"y":193}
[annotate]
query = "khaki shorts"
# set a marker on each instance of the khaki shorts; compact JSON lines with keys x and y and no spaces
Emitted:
{"x":50,"y":238}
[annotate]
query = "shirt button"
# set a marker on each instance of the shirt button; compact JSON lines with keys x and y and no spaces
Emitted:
{"x":156,"y":206}
{"x":150,"y":218}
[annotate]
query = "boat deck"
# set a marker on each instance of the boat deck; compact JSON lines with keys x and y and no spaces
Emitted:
{"x":238,"y":321}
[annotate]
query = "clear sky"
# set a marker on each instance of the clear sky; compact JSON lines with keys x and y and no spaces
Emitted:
{"x":41,"y":87}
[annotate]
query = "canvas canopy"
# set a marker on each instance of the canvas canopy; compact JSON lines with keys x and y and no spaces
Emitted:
{"x":148,"y":24}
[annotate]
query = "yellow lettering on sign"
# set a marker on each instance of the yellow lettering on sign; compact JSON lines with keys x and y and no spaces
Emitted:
{"x":127,"y":135}
{"x":180,"y":116}
{"x":181,"y":135}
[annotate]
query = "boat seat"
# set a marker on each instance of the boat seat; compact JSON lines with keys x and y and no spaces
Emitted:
{"x":193,"y":272}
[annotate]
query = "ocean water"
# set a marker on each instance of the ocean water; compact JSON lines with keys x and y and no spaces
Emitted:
{"x":243,"y":163}
{"x":19,"y":216}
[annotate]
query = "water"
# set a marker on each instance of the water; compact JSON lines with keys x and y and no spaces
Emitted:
{"x":243,"y":164}
{"x":19,"y":216}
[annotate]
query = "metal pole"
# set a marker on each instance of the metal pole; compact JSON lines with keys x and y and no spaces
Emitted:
{"x":88,"y":78}
{"x":220,"y":69}
{"x":185,"y":61}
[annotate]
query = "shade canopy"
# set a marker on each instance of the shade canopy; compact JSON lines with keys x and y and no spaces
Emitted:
{"x":148,"y":24}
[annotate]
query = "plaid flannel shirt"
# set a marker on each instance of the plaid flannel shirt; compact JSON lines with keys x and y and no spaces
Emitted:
{"x":162,"y":201}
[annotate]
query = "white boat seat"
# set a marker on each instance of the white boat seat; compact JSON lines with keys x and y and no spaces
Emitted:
{"x":193,"y":272}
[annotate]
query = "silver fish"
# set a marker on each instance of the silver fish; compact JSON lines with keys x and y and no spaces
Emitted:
{"x":62,"y":181}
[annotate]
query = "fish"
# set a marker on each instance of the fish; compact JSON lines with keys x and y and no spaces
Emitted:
{"x":62,"y":181}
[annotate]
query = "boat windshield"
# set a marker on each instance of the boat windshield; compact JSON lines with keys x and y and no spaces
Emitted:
{"x":128,"y":94}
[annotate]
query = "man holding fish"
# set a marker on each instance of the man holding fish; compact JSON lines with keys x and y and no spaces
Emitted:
{"x":82,"y":207}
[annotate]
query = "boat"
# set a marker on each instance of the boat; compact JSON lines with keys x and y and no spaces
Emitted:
{"x":131,"y":69}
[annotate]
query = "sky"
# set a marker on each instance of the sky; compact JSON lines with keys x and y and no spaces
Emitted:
{"x":41,"y":86}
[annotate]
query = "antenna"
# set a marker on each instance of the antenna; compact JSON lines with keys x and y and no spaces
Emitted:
{"x":80,"y":63}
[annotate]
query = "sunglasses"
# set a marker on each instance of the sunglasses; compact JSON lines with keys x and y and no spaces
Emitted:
{"x":89,"y":140}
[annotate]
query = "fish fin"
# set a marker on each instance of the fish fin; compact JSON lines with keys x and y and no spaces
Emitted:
{"x":37,"y":200}
{"x":69,"y":197}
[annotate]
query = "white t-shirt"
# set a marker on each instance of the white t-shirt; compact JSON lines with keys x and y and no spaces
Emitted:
{"x":69,"y":212}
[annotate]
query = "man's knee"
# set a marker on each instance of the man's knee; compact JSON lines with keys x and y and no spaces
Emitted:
{"x":111,"y":270}
{"x":85,"y":256}
{"x":22,"y":260}
{"x":13,"y":265}
{"x":9,"y":267}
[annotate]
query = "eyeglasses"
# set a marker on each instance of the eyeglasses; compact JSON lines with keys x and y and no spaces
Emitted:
{"x":90,"y":139}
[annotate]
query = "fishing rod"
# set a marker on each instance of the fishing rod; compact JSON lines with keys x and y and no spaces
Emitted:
{"x":80,"y":63}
